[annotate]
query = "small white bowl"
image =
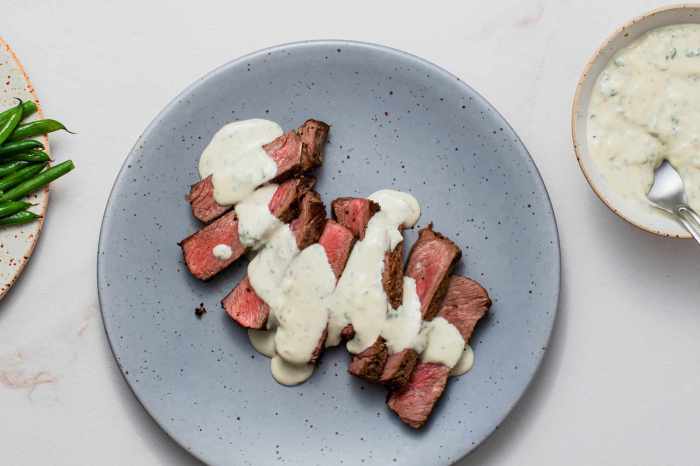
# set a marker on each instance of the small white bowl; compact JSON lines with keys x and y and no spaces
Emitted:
{"x":631,"y":211}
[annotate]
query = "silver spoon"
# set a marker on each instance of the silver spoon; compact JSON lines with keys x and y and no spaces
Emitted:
{"x":668,"y":193}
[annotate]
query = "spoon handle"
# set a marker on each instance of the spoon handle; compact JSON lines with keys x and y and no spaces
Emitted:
{"x":690,"y":220}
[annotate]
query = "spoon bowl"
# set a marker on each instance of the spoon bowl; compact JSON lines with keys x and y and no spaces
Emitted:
{"x":668,"y":193}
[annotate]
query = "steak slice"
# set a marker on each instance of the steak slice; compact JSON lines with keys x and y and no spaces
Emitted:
{"x":354,"y":213}
{"x":398,"y":368}
{"x":245,"y":306}
{"x":465,"y":303}
{"x":337,"y":241}
{"x":242,"y":303}
{"x":201,"y":199}
{"x":416,"y":400}
{"x":430,"y":263}
{"x":197,"y":248}
{"x":369,"y":364}
{"x":313,"y":134}
{"x":294,"y":153}
{"x":285,"y":201}
{"x":308,"y":226}
{"x":392,"y":275}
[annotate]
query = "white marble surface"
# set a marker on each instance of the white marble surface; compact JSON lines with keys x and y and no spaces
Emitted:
{"x":621,"y":381}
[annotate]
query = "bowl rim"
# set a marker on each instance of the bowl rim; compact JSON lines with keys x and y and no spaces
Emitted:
{"x":577,"y":101}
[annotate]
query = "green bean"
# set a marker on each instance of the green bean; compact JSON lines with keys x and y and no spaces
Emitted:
{"x":33,"y":156}
{"x":23,"y":174}
{"x":12,"y":207}
{"x":20,"y":146}
{"x":38,"y":181}
{"x":28,"y":108}
{"x":35,"y":128}
{"x":10,"y":167}
{"x":8,"y":126}
{"x":19,"y":218}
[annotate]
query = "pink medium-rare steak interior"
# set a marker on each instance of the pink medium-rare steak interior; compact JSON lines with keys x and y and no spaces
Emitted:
{"x":197,"y":249}
{"x":430,"y":263}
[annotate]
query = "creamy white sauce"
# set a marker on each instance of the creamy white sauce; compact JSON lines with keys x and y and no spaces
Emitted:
{"x":236,"y":160}
{"x":443,"y":342}
{"x":304,"y":299}
{"x":402,"y":325}
{"x":255,"y":221}
{"x":359,"y":297}
{"x":268,"y":267}
{"x":645,"y":107}
{"x":465,"y":363}
{"x":263,"y":341}
{"x":287,"y":373}
{"x":222,"y":251}
{"x":302,"y":317}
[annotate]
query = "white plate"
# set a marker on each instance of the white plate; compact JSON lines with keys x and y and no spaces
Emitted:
{"x":17,"y":242}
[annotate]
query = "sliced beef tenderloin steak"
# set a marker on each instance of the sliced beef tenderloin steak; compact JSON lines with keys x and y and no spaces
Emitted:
{"x":369,"y":363}
{"x":416,"y":400}
{"x":354,"y":213}
{"x":294,"y":153}
{"x":242,"y":303}
{"x":430,"y":263}
{"x":313,"y":134}
{"x":465,"y":303}
{"x":198,"y":248}
{"x":337,"y":241}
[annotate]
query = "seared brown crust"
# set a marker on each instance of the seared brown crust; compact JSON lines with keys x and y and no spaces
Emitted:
{"x":285,"y":202}
{"x":398,"y":368}
{"x":201,"y":197}
{"x":308,"y":226}
{"x":313,"y":134}
{"x":318,"y":351}
{"x":392,"y":275}
{"x":430,"y":263}
{"x":370,"y":363}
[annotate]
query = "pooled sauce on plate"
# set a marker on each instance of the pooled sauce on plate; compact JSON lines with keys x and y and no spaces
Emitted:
{"x":645,"y":107}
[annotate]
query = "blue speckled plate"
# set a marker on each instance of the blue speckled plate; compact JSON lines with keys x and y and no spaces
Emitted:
{"x":397,"y":121}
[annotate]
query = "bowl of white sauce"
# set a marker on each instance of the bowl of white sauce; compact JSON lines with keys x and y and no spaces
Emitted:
{"x":636,"y":104}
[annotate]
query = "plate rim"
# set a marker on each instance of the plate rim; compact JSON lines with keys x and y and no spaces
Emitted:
{"x":527,"y":157}
{"x":45,"y":205}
